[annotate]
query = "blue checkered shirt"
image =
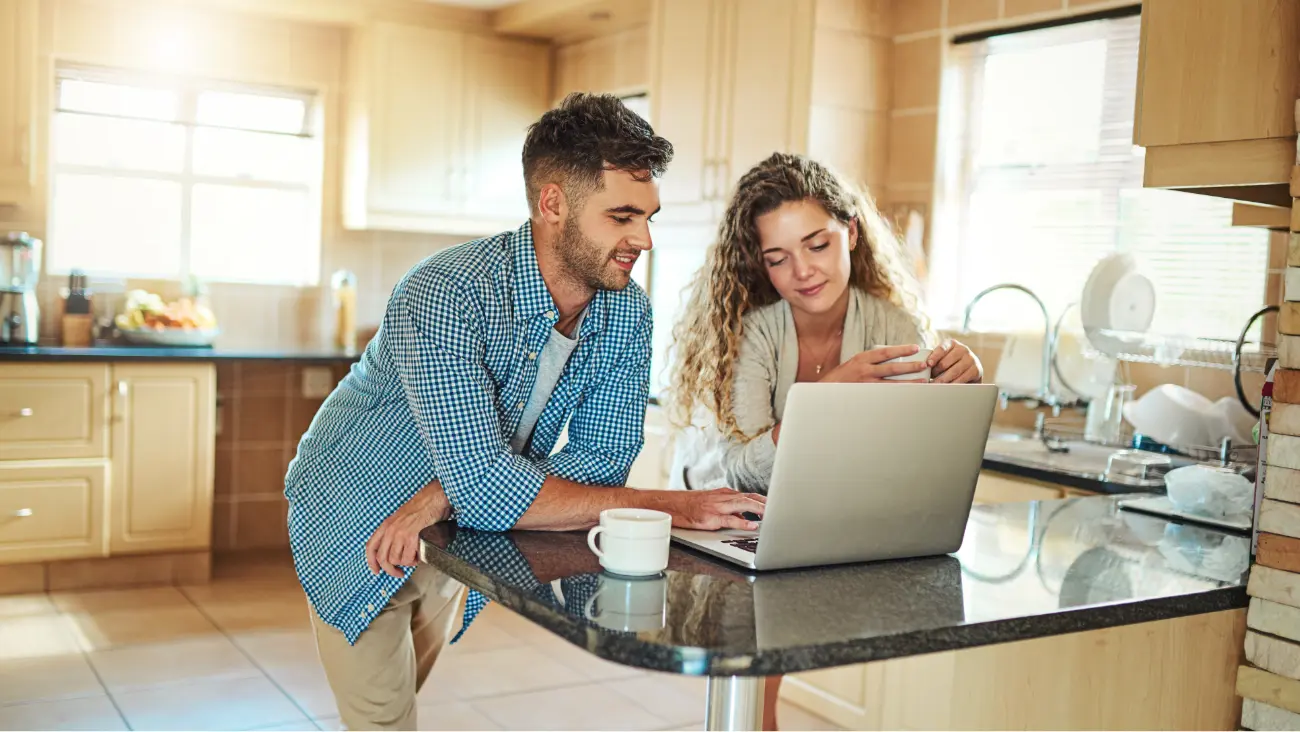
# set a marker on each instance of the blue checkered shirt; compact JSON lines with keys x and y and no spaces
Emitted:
{"x":438,"y":393}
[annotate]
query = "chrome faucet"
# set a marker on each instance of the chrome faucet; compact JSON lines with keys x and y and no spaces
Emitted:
{"x":1044,"y":395}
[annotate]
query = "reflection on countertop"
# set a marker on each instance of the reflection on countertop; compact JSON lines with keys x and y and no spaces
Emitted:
{"x":148,"y":353}
{"x":1083,"y":466}
{"x":1025,"y":570}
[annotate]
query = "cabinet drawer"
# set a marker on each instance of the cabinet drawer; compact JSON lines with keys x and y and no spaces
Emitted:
{"x":52,"y":511}
{"x":52,"y":411}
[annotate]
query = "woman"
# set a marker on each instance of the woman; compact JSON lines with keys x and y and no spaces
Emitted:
{"x":806,"y":282}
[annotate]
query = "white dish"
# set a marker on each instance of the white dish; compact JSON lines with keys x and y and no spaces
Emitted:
{"x":173,"y":337}
{"x":1228,"y":418}
{"x":1116,"y":298}
{"x":1171,"y":414}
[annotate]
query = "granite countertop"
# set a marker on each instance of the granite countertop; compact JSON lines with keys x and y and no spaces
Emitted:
{"x":1083,"y":466}
{"x":131,"y":353}
{"x":1025,"y":570}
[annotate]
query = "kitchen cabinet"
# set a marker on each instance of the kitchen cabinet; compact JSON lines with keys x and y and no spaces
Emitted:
{"x":18,"y":28}
{"x":53,"y":411}
{"x":1000,"y":488}
{"x":650,"y":471}
{"x":730,"y":83}
{"x":52,"y":510}
{"x":435,"y":123}
{"x":1216,"y":94}
{"x":163,"y":445}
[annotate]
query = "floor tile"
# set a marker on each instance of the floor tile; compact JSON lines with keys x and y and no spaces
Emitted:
{"x":156,"y":664}
{"x":677,"y":699}
{"x":492,"y":673}
{"x":37,"y":636}
{"x":788,"y":716}
{"x":485,"y":637}
{"x":330,"y":724}
{"x":117,"y":628}
{"x":278,"y":613}
{"x":94,"y":713}
{"x":22,"y":606}
{"x":590,"y":707}
{"x":307,"y":726}
{"x":51,"y":677}
{"x":235,"y":704}
{"x":272,"y":648}
{"x":308,"y":687}
{"x":590,"y":666}
{"x":452,"y":716}
{"x":109,"y":600}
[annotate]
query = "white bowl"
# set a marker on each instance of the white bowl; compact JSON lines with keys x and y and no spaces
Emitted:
{"x":1171,"y":414}
{"x":1228,"y":418}
{"x":174,"y":337}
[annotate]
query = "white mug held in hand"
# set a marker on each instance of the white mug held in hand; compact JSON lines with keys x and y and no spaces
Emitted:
{"x":633,"y":541}
{"x":920,"y":356}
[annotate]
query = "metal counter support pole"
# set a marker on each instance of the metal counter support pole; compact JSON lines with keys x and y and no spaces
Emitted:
{"x":734,"y":703}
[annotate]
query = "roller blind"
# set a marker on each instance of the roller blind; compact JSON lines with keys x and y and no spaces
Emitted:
{"x":1040,"y":178}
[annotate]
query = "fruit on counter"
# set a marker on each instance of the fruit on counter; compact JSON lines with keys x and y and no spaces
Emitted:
{"x":147,"y":311}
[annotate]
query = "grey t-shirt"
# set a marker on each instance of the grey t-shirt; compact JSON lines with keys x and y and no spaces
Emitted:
{"x":550,"y":366}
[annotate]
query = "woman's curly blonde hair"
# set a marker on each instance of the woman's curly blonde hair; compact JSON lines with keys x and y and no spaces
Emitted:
{"x":734,"y":280}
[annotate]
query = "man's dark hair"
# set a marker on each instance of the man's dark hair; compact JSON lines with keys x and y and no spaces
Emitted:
{"x":589,"y":133}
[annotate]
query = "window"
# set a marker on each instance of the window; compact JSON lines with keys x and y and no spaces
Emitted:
{"x":1039,"y":179}
{"x":168,"y":179}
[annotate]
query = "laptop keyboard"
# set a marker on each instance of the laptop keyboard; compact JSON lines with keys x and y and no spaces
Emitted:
{"x":748,"y":545}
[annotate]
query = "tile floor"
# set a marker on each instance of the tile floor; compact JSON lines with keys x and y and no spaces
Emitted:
{"x":238,"y":654}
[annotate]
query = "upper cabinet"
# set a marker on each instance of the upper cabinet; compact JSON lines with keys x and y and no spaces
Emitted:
{"x":18,"y":23}
{"x":435,"y":124}
{"x":730,"y":83}
{"x":1217,"y":88}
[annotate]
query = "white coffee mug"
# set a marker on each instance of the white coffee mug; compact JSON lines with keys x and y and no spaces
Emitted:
{"x":633,"y":541}
{"x":920,"y":355}
{"x":629,"y":604}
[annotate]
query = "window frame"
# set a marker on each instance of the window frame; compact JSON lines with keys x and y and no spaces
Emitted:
{"x":189,"y":89}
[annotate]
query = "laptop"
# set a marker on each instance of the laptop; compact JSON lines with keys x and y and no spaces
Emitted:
{"x":865,"y":472}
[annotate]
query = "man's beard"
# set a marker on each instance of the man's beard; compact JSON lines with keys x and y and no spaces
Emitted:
{"x":586,"y":261}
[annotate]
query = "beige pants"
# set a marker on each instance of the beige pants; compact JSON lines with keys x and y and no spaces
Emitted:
{"x":375,"y":681}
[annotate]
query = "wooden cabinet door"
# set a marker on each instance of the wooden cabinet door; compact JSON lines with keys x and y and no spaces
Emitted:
{"x":768,"y":94}
{"x":505,"y":91}
{"x":18,"y":23}
{"x":685,"y":53}
{"x":53,"y":411}
{"x":163,"y":444}
{"x":1213,"y":71}
{"x":413,"y":120}
{"x":995,"y":488}
{"x":52,"y":510}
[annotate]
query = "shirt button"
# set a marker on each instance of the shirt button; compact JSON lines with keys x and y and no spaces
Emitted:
{"x":550,"y":313}
{"x":370,"y":608}
{"x":520,"y":405}
{"x":532,"y":356}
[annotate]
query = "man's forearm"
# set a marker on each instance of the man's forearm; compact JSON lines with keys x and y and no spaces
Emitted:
{"x":563,"y":505}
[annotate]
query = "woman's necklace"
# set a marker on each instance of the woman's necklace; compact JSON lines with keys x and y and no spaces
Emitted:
{"x":817,"y":369}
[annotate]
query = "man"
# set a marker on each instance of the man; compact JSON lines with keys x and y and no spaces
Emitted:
{"x":485,"y":351}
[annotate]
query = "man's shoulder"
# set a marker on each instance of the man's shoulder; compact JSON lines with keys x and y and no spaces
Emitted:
{"x":469,"y":269}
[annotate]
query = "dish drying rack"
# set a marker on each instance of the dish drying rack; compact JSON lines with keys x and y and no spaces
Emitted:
{"x":1187,"y":351}
{"x":1057,"y":433}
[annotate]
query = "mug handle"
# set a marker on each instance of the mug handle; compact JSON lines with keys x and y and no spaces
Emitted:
{"x":591,"y":540}
{"x":590,"y":602}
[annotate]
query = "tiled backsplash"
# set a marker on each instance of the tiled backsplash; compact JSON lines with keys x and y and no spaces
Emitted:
{"x":261,"y":414}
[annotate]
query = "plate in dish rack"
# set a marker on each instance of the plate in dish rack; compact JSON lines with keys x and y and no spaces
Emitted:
{"x":173,"y":337}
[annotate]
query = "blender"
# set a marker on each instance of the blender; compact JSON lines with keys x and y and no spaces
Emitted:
{"x":20,"y":268}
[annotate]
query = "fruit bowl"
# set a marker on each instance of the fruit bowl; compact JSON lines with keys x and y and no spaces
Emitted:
{"x":172,"y":337}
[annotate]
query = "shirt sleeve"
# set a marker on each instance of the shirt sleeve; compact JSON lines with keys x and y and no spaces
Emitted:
{"x":748,"y":464}
{"x":437,"y":342}
{"x":607,"y":430}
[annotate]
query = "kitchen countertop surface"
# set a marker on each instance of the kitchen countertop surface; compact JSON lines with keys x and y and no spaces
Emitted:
{"x":1083,"y":466}
{"x":133,"y":353}
{"x":1025,"y":570}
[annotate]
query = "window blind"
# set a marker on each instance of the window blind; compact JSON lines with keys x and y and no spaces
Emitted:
{"x":1040,"y":179}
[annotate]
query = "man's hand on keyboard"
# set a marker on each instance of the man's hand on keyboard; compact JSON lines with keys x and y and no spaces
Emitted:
{"x":722,"y":508}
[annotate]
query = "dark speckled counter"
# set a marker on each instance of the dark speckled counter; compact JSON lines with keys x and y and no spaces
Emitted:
{"x":152,"y":353}
{"x":1025,"y":570}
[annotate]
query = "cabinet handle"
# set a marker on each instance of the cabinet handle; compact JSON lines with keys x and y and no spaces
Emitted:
{"x":122,"y":388}
{"x":23,"y":513}
{"x":24,"y":146}
{"x":25,"y":412}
